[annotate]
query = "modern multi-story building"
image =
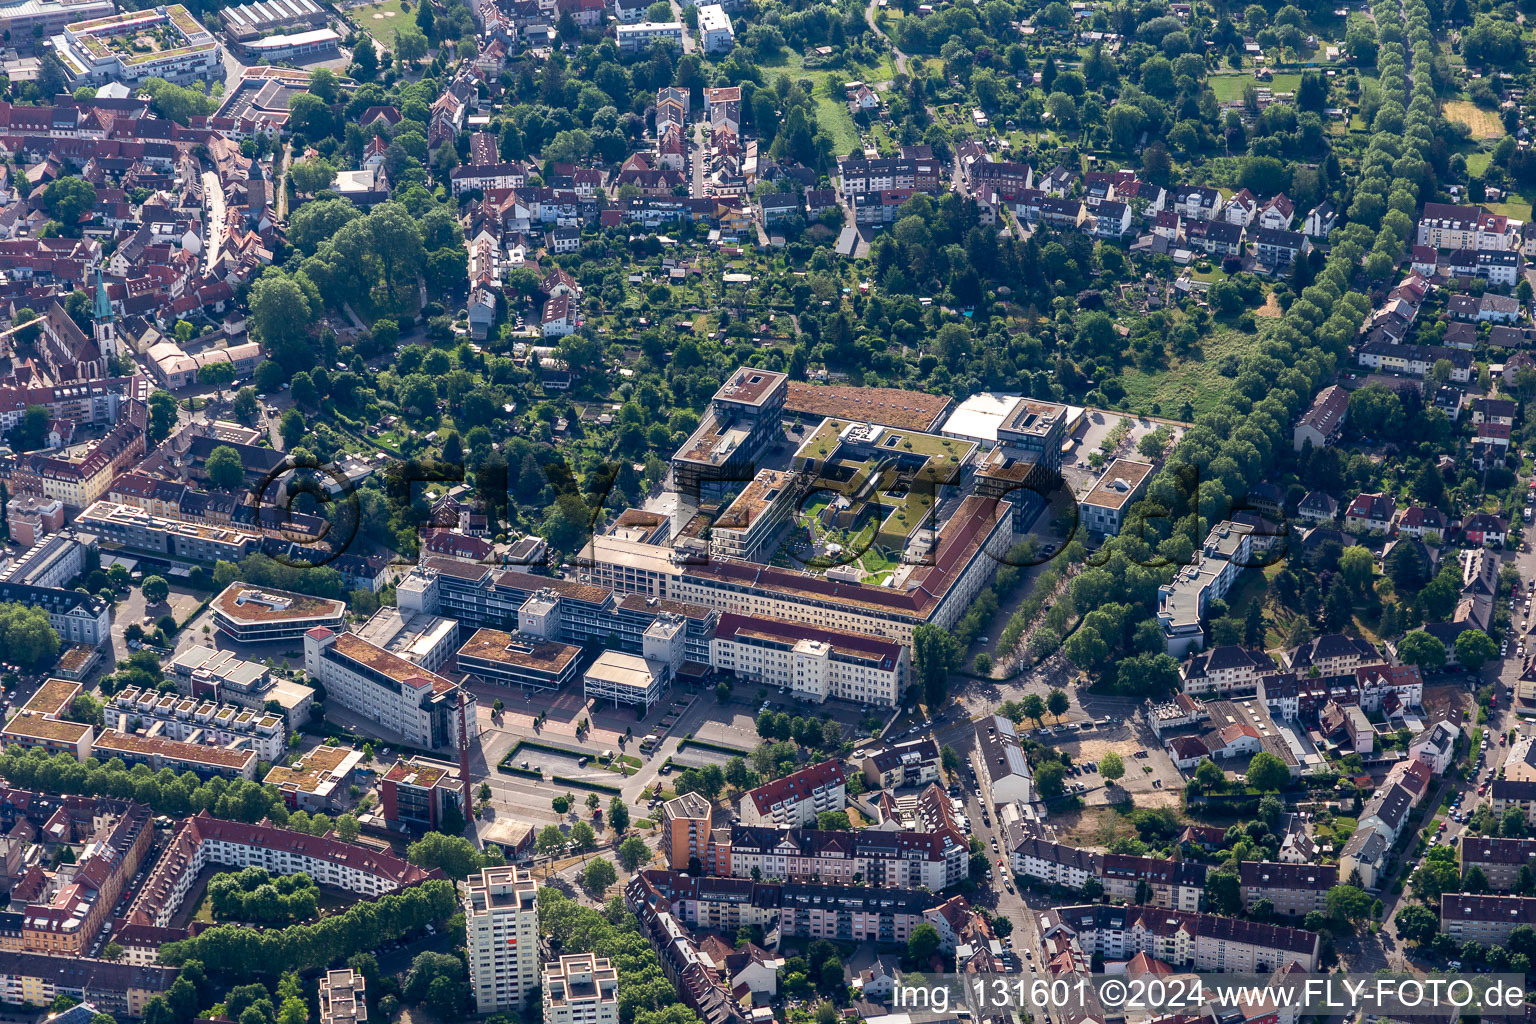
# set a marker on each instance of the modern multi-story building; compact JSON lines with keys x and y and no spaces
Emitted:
{"x":29,"y":22}
{"x":40,"y":722}
{"x":157,"y":752}
{"x":249,"y":614}
{"x":54,"y":563}
{"x":128,"y":527}
{"x":402,"y":699}
{"x":642,"y":35}
{"x":319,"y":780}
{"x":517,"y":659}
{"x":111,"y":49}
{"x":742,"y":418}
{"x":795,"y":800}
{"x":1181,"y":604}
{"x":687,"y":821}
{"x":581,"y":988}
{"x":501,"y":917}
{"x":715,"y":32}
{"x":1103,"y":508}
{"x":415,"y":794}
{"x":196,"y":721}
{"x":222,"y":676}
{"x":911,"y":763}
{"x":343,"y":999}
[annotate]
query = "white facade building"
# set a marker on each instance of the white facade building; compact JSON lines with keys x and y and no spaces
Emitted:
{"x":501,"y":917}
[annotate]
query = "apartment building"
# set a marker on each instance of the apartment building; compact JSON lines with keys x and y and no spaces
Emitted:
{"x":1181,"y":604}
{"x":116,"y":987}
{"x":1448,"y":226}
{"x":202,"y":840}
{"x":343,"y":998}
{"x":401,"y":698}
{"x":501,"y":917}
{"x":815,"y":663}
{"x":1203,"y":942}
{"x":1504,"y":794}
{"x":157,"y":752}
{"x":1291,"y":889}
{"x":581,"y":988}
{"x":686,"y":820}
{"x":1050,"y":862}
{"x":912,"y":763}
{"x":897,"y":859}
{"x":1224,"y":670}
{"x":1176,"y":884}
{"x":106,"y":49}
{"x":320,"y":780}
{"x":40,"y":723}
{"x":195,"y":721}
{"x":1484,"y":918}
{"x":1005,"y":776}
{"x":78,"y":617}
{"x":642,"y":35}
{"x":841,"y":913}
{"x":1499,"y":859}
{"x":795,"y":800}
{"x":1123,"y":483}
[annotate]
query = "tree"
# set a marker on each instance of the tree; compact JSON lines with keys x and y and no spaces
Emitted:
{"x":1417,"y":923}
{"x":922,"y":943}
{"x":155,"y":589}
{"x":618,"y":815}
{"x":1267,"y":772}
{"x":1348,"y":904}
{"x":550,"y":841}
{"x":225,"y":468}
{"x":1421,"y":649}
{"x":1357,"y":565}
{"x":1057,"y":702}
{"x":598,"y":875}
{"x":934,"y":653}
{"x":410,"y":44}
{"x":1434,"y":877}
{"x":633,"y":852}
{"x":1473,"y":648}
{"x":1033,"y":706}
{"x":68,"y":200}
{"x":582,"y":835}
{"x":1049,"y":779}
{"x":833,"y":821}
{"x":292,"y":428}
{"x":217,"y":375}
{"x":163,"y":413}
{"x":1111,"y":767}
{"x":312,"y":175}
{"x":281,"y":315}
{"x":1224,"y":892}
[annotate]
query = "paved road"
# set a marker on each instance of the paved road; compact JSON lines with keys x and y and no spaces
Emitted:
{"x":218,"y":225}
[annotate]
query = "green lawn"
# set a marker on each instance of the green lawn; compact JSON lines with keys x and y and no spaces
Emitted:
{"x":382,"y":20}
{"x":1229,"y":87}
{"x":1195,"y":378}
{"x":833,"y":115}
{"x":1519,"y":208}
{"x":1477,"y":162}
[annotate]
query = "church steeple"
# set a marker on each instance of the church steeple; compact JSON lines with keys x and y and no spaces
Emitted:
{"x":102,"y":325}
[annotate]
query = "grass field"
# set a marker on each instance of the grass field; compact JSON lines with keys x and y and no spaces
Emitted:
{"x":1484,"y":124}
{"x":831,"y":114}
{"x":1194,"y":378}
{"x":382,"y":20}
{"x":1229,"y":88}
{"x":1519,"y":209}
{"x":1477,"y":163}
